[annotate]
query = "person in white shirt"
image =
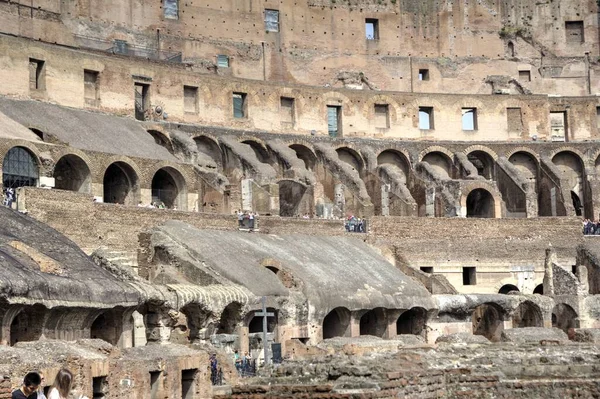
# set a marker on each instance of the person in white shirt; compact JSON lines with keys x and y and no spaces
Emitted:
{"x":61,"y":387}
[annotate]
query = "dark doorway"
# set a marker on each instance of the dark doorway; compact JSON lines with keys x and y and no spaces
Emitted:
{"x":506,"y":288}
{"x":412,"y":322}
{"x":374,"y":322}
{"x":527,"y":314}
{"x":480,"y":204}
{"x":72,"y":173}
{"x":487,"y":321}
{"x":120,"y":182}
{"x":336,"y":323}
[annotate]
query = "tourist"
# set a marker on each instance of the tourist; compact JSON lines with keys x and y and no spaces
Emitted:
{"x":9,"y":197}
{"x":40,"y":391}
{"x":214,"y":364}
{"x":240,"y":216}
{"x":251,"y":221}
{"x":237,"y":359}
{"x":61,"y":388}
{"x":28,"y":390}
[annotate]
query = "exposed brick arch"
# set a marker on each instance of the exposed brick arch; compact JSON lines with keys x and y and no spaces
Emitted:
{"x":495,"y":207}
{"x":481,"y":148}
{"x":435,"y":148}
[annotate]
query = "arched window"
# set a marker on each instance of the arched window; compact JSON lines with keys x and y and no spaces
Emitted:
{"x":19,"y":168}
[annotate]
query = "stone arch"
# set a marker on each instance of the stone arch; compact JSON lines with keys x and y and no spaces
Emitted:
{"x":564,"y":317}
{"x":261,"y":151}
{"x":527,"y":314}
{"x":209,"y":147}
{"x":199,"y":321}
{"x":69,"y":323}
{"x":161,"y":139}
{"x":480,"y":203}
{"x":484,"y":162}
{"x":374,"y":322}
{"x":121,"y":184}
{"x":72,"y":173}
{"x":511,"y":48}
{"x":412,"y":321}
{"x":28,"y":324}
{"x":306,"y":154}
{"x":255,"y":324}
{"x":440,"y":162}
{"x":572,"y":169}
{"x":526,"y":163}
{"x":539,"y":289}
{"x":293,"y":200}
{"x":170,"y":188}
{"x":230,"y":319}
{"x":106,"y":327}
{"x":506,"y":288}
{"x":20,"y":168}
{"x":368,"y":110}
{"x":396,"y":158}
{"x":352,"y":158}
{"x":487,"y":320}
{"x":337,"y":323}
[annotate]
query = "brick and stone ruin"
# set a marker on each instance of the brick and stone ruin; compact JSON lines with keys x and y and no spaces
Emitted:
{"x":464,"y":136}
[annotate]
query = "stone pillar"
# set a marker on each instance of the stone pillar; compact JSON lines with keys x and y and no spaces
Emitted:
{"x":355,"y":325}
{"x":430,"y":202}
{"x":548,"y":273}
{"x":244,"y":341}
{"x":339,"y":199}
{"x":145,"y":196}
{"x":392,"y":319}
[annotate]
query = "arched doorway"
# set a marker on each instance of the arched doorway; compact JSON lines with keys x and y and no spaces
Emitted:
{"x":291,"y":199}
{"x":168,"y":188}
{"x":19,"y":168}
{"x":199,"y":322}
{"x":439,"y":162}
{"x":480,"y":204}
{"x":306,"y":155}
{"x":483,"y":162}
{"x":412,"y":321}
{"x":336,"y":323}
{"x":396,"y":158}
{"x":210,"y":148}
{"x":27,"y":325}
{"x":527,"y":314}
{"x":352,"y":158}
{"x":374,"y":322}
{"x":487,"y":321}
{"x":106,"y":328}
{"x":539,"y":289}
{"x":256,"y":323}
{"x":572,"y":171}
{"x":231,"y":317}
{"x":506,"y":288}
{"x":73,"y":174}
{"x":564,"y":317}
{"x":526,"y":164}
{"x":120,"y":184}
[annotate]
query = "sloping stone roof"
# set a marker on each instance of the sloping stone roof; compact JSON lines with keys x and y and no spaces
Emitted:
{"x":334,"y":271}
{"x":40,"y":265}
{"x":85,"y":130}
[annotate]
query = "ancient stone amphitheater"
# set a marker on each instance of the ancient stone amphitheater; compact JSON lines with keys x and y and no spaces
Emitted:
{"x":465,"y":136}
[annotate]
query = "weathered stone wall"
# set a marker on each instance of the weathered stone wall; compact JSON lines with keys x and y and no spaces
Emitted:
{"x":64,"y":71}
{"x":503,"y":251}
{"x":324,"y":42}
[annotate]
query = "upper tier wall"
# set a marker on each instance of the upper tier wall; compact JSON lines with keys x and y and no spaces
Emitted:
{"x":319,"y":38}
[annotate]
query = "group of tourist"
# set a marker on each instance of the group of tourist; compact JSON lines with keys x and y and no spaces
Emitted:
{"x":155,"y":205}
{"x":243,"y":364}
{"x":354,"y":224}
{"x":591,"y":228}
{"x":33,"y":386}
{"x":246,"y":220}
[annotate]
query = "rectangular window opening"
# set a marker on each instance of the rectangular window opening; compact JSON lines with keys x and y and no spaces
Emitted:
{"x":598,"y":117}
{"x":426,"y":118}
{"x":423,"y":74}
{"x":574,"y":269}
{"x":120,"y":47}
{"x":90,"y":89}
{"x":514,"y":119}
{"x":558,"y":126}
{"x":154,"y":384}
{"x":171,"y":9}
{"x":469,"y":276}
{"x":190,"y":99}
{"x":239,"y":105}
{"x":525,"y":76}
{"x":574,"y":31}
{"x":427,"y":269}
{"x":188,"y":382}
{"x":99,"y":387}
{"x":372,"y":29}
{"x":287,"y":111}
{"x":142,"y":101}
{"x":334,"y":120}
{"x":272,"y":20}
{"x":223,"y":61}
{"x":37,"y":74}
{"x":382,"y":116}
{"x":469,"y":119}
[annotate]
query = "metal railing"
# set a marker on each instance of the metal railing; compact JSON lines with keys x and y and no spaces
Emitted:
{"x":124,"y":48}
